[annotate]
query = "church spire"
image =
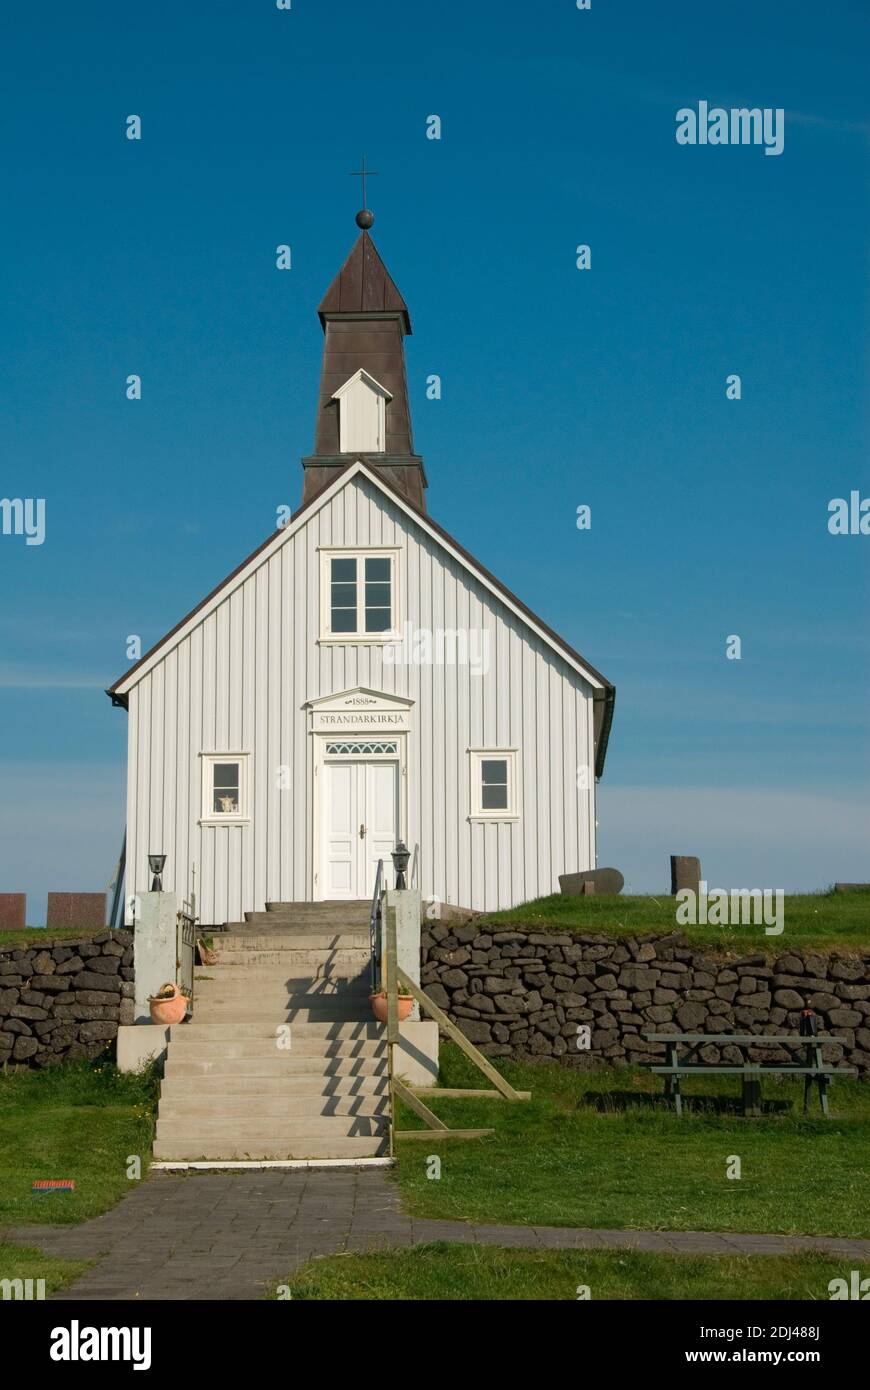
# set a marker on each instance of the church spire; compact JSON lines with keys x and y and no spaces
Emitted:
{"x":363,"y":409}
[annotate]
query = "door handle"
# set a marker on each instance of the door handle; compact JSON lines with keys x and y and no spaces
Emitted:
{"x":362,"y":832}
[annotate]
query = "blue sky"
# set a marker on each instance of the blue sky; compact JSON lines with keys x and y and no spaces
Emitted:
{"x":560,"y":387}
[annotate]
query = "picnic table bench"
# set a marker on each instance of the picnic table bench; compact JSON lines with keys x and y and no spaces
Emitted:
{"x":805,"y":1052}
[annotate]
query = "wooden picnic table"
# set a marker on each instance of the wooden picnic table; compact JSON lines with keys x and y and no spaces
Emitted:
{"x":806,"y":1054}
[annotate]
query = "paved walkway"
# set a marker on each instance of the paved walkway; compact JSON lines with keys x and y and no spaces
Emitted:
{"x":232,"y":1235}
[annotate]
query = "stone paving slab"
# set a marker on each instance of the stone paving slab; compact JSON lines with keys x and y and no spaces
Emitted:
{"x":206,"y":1235}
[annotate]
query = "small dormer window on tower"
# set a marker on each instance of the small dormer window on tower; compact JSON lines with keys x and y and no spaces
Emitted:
{"x":362,"y":414}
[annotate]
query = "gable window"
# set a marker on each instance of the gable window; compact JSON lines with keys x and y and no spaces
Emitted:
{"x":224,"y":787}
{"x":494,"y":784}
{"x":359,"y":595}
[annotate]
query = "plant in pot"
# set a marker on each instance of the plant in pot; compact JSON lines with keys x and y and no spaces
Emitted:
{"x":169,"y":1004}
{"x":380,"y":1004}
{"x":205,"y":949}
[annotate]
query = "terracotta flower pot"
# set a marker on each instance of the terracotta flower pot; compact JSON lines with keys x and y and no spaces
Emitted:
{"x":379,"y":1006}
{"x":169,"y":1010}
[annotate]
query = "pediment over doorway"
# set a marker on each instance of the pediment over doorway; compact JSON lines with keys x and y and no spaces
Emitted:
{"x":360,"y":709}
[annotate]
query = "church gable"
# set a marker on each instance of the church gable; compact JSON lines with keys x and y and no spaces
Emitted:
{"x":402,"y":518}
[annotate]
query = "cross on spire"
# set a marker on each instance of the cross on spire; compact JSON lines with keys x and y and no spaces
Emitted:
{"x":364,"y":218}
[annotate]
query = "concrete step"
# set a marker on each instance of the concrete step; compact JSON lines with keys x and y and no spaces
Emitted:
{"x":298,"y":960}
{"x":234,"y":1012}
{"x":287,"y":972}
{"x":256,"y":1108}
{"x":287,"y":1089}
{"x":232,"y":1148}
{"x":277,"y":1001}
{"x":359,"y":907}
{"x":303,"y":918}
{"x":274,"y":1064}
{"x":307,"y":939}
{"x":189,"y":1047}
{"x":252,"y":977}
{"x":285,"y":968}
{"x":272,"y":1129}
{"x":217,"y":1033}
{"x":273,"y":989}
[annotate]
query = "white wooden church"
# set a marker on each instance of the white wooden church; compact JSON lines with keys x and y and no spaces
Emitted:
{"x":360,"y":679}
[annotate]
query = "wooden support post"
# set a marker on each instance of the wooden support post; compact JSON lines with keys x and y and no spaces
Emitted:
{"x":431,"y":1135}
{"x":751,"y":1094}
{"x":461,"y":1093}
{"x":457,"y":1035}
{"x":412,"y":1102}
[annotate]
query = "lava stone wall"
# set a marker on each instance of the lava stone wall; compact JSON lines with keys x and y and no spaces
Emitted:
{"x":61,"y":1000}
{"x":521,"y":994}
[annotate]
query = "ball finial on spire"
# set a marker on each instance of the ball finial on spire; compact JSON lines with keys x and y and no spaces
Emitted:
{"x":365,"y":219}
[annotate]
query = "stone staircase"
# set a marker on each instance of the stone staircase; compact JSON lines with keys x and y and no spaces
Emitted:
{"x":282,"y":1058}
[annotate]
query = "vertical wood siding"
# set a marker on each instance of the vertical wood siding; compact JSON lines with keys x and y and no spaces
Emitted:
{"x":239,"y":683}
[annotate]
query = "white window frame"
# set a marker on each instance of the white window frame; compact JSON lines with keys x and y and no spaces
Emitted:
{"x":209,"y":815}
{"x":360,"y":554}
{"x":509,"y":813}
{"x":360,"y":747}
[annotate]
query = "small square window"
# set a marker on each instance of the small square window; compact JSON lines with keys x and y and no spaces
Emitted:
{"x":493,"y":784}
{"x":224,"y":789}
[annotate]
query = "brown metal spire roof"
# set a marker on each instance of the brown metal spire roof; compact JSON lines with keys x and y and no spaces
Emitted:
{"x":363,"y":286}
{"x":365,"y":321}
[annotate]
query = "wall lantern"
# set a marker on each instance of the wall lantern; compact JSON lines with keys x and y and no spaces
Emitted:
{"x":155,"y":864}
{"x":400,"y":856}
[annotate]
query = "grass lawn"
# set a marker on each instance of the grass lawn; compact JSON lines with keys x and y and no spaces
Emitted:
{"x":442,"y":1271}
{"x":38,"y":936}
{"x":602,"y":1148}
{"x":816,"y":921}
{"x":81,"y":1120}
{"x":22,"y":1262}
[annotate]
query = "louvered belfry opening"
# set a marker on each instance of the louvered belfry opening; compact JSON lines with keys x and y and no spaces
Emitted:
{"x":365,"y":320}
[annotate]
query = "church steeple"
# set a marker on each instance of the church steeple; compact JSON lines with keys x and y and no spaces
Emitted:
{"x":363,"y":410}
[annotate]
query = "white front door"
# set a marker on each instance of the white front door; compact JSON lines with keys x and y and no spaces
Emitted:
{"x":360,"y":820}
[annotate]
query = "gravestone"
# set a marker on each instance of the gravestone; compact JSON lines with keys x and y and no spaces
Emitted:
{"x":591,"y":881}
{"x":13,"y":911}
{"x":76,"y":910}
{"x":685,"y":873}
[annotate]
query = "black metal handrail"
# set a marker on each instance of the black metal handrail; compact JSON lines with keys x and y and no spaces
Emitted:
{"x":374,"y":928}
{"x":185,"y":950}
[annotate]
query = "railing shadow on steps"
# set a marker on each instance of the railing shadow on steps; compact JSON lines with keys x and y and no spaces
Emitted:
{"x":393,"y":977}
{"x":375,"y":926}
